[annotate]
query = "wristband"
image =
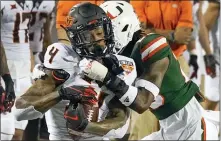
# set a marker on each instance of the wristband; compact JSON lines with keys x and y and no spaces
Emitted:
{"x":148,"y":86}
{"x":128,"y":98}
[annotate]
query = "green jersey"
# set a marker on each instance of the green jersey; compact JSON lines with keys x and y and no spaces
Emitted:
{"x":176,"y":91}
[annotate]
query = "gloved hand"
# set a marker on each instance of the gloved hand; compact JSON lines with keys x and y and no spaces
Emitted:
{"x":112,"y":63}
{"x":10,"y":93}
{"x":75,"y":117}
{"x":2,"y":99}
{"x":78,"y":94}
{"x":193,"y":62}
{"x":210,"y":63}
{"x":38,"y":72}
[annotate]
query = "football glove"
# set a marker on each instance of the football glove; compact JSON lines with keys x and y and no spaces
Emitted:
{"x":193,"y":62}
{"x":10,"y":93}
{"x":75,"y":117}
{"x":112,"y":63}
{"x":210,"y":64}
{"x":78,"y":94}
{"x":2,"y":99}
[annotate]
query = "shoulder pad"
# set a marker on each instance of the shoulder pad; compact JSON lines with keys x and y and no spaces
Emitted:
{"x":61,"y":56}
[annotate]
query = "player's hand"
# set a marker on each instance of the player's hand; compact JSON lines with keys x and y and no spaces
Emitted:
{"x":10,"y":93}
{"x":2,"y":99}
{"x":75,"y":117}
{"x":78,"y":94}
{"x":112,"y":63}
{"x":93,"y":69}
{"x":193,"y":62}
{"x":210,"y":63}
{"x":38,"y":72}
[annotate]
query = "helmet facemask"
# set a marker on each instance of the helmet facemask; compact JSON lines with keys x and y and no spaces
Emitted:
{"x":83,"y":41}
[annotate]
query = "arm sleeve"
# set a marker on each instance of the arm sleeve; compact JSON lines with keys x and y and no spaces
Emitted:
{"x":186,"y":17}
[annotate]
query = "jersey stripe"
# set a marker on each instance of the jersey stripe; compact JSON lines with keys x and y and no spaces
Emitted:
{"x":154,"y":48}
{"x":150,"y":43}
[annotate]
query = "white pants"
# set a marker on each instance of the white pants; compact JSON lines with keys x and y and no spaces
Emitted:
{"x":212,"y":87}
{"x":185,"y":125}
{"x":20,"y":72}
{"x":56,"y":123}
{"x":58,"y":130}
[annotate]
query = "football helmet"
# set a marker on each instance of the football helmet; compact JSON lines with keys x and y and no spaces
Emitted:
{"x":84,"y":18}
{"x":124,"y":20}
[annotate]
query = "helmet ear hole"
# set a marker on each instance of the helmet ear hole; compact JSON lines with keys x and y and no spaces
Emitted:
{"x":125,"y":28}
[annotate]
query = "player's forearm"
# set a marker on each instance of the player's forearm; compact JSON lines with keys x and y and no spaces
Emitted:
{"x":45,"y":103}
{"x":103,"y":127}
{"x":203,"y":33}
{"x":41,"y":95}
{"x":42,"y":104}
{"x":4,"y":66}
{"x":211,"y":15}
{"x":28,"y":109}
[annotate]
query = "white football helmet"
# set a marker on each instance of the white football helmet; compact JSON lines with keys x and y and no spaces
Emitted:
{"x":124,"y":20}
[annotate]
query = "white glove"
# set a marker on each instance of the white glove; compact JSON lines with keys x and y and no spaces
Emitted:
{"x":93,"y":69}
{"x":38,"y":72}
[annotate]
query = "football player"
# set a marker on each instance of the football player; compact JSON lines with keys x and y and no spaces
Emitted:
{"x":40,"y":25}
{"x":211,"y":18}
{"x":15,"y":16}
{"x":61,"y":68}
{"x":161,"y":87}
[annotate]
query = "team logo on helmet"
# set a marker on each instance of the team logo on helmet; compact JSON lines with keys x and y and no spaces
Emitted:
{"x":69,"y":21}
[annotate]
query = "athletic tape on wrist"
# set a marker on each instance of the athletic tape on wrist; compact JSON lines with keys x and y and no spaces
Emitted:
{"x":148,"y":86}
{"x":128,"y":98}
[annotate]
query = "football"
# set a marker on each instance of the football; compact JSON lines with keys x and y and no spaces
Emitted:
{"x":91,"y":112}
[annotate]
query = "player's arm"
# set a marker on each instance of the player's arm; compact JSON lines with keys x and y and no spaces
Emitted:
{"x":203,"y":32}
{"x":147,"y":87}
{"x":40,"y":97}
{"x":118,"y":116}
{"x":211,"y":14}
{"x":114,"y":125}
{"x":152,"y":53}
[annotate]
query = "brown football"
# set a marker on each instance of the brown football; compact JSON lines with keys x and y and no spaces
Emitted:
{"x":91,"y":112}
